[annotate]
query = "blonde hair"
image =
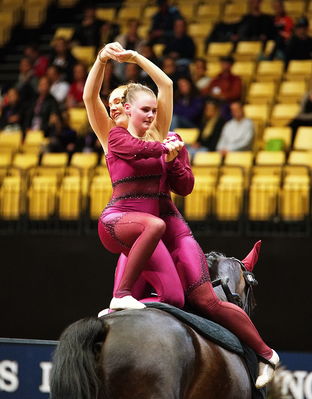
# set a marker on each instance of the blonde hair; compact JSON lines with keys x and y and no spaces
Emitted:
{"x":131,"y":91}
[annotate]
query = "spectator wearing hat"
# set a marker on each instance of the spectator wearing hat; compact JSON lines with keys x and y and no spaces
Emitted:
{"x":299,"y":46}
{"x":225,"y":87}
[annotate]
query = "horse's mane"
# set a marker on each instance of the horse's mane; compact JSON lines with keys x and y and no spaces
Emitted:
{"x":213,"y":259}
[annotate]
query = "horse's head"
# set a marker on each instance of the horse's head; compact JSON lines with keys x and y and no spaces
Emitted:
{"x":233,"y":279}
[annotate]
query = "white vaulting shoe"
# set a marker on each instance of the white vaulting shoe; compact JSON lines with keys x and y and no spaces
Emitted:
{"x":266,"y":371}
{"x":126,"y":302}
{"x":103,"y":312}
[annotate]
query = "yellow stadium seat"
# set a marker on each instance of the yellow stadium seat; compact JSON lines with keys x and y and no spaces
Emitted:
{"x":128,"y":12}
{"x":257,"y":112}
{"x":270,"y":70}
{"x":248,"y":51}
{"x":187,"y":10}
{"x":53,"y":165}
{"x":25,"y":161}
{"x":35,"y":15}
{"x":217,"y":50}
{"x":70,"y":198}
{"x":10,"y":142}
{"x":278,"y":132}
{"x":83,"y":164}
{"x":148,"y":12}
{"x":199,"y":30}
{"x":303,"y":138}
{"x":34,"y":141}
{"x":261,"y":93}
{"x":300,"y":158}
{"x":244,"y":69}
{"x":211,"y":158}
{"x":282,"y":114}
{"x":291,"y":91}
{"x":158,"y":49}
{"x":189,"y":135}
{"x":270,"y":158}
{"x":42,"y":197}
{"x":234,"y":11}
{"x":199,"y":204}
{"x":106,"y":14}
{"x":5,"y":160}
{"x":208,"y":12}
{"x":213,"y":69}
{"x":64,"y":32}
{"x":295,"y":9}
{"x":10,"y":198}
{"x":100,"y":194}
{"x":84,"y":54}
{"x":78,"y":119}
{"x":299,"y":69}
{"x":243,"y":159}
{"x":229,"y":197}
{"x":295,"y":198}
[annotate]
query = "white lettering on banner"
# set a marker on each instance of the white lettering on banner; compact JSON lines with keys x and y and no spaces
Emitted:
{"x":45,"y":382}
{"x":8,"y":376}
{"x":298,"y":384}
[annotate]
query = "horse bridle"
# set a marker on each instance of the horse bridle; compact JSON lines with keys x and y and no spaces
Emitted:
{"x":250,"y":281}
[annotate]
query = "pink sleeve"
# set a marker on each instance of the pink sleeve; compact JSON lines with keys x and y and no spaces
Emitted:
{"x":122,"y":144}
{"x":180,"y":176}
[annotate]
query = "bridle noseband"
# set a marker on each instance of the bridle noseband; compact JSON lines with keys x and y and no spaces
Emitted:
{"x":234,"y":297}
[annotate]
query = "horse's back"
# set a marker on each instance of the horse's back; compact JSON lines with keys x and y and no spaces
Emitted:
{"x":147,"y":354}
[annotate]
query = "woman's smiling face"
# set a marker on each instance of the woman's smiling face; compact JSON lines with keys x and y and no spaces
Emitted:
{"x":116,"y":109}
{"x":142,"y":111}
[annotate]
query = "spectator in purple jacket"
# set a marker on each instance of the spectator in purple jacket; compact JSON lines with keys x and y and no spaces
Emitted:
{"x":188,"y":105}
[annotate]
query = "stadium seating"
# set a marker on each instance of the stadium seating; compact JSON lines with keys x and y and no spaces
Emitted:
{"x":303,"y":139}
{"x":10,"y":198}
{"x":70,"y":204}
{"x":278,"y":132}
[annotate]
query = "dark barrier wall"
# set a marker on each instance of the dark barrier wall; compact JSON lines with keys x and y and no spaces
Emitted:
{"x":47,"y":282}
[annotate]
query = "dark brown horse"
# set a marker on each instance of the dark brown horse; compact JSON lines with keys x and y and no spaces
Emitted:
{"x":149,"y":354}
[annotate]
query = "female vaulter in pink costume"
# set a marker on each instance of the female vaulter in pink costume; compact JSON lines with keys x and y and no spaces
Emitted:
{"x":115,"y":235}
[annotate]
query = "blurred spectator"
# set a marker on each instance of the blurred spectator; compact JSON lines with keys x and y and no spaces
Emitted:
{"x":188,"y":105}
{"x":237,"y":134}
{"x":210,"y":129}
{"x":58,"y":87}
{"x":40,"y":110}
{"x":256,"y":25}
{"x":87,"y":32}
{"x":62,"y":57}
{"x":299,"y":46}
{"x":130,"y":39}
{"x":131,"y":74}
{"x":27,"y":82}
{"x":39,"y":62}
{"x":284,"y":26}
{"x":13,"y":112}
{"x":61,"y":137}
{"x":226,"y":86}
{"x":147,"y":51}
{"x":108,"y":31}
{"x":222,"y":32}
{"x":180,"y":45}
{"x":304,"y":118}
{"x":74,"y":96}
{"x":162,"y":22}
{"x":169,"y":66}
{"x":199,"y":74}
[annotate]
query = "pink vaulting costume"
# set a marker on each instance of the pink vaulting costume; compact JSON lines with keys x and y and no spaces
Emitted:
{"x":142,"y":181}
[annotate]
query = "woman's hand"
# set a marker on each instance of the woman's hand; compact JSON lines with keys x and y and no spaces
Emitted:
{"x":110,"y":50}
{"x":126,"y":56}
{"x":174,"y":146}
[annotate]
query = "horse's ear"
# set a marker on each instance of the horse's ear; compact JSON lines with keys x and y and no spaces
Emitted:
{"x":252,"y":258}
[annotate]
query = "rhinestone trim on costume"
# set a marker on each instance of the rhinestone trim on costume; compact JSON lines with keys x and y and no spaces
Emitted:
{"x":134,"y":178}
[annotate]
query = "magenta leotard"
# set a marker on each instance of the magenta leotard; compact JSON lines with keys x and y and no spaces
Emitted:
{"x":130,"y":223}
{"x":191,"y":263}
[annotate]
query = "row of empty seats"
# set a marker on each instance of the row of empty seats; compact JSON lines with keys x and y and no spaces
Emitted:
{"x":55,"y":189}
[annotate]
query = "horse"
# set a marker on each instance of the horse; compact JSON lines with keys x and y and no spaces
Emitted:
{"x":150,"y":354}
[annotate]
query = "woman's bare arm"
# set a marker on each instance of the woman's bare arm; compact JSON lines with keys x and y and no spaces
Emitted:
{"x":99,"y":119}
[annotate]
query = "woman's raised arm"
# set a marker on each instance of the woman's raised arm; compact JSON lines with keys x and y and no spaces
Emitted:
{"x":99,"y":119}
